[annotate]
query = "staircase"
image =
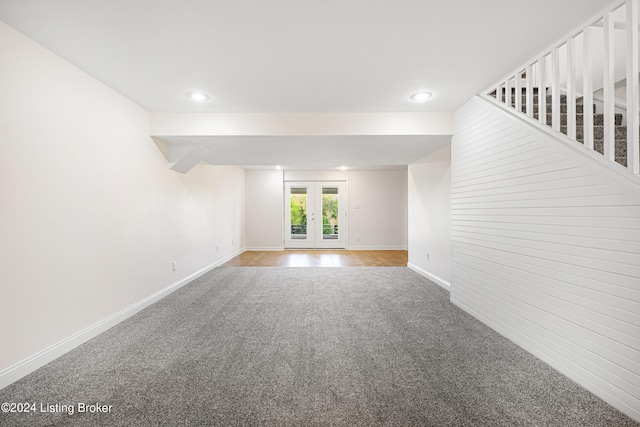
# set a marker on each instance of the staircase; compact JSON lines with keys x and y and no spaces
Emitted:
{"x":598,"y":120}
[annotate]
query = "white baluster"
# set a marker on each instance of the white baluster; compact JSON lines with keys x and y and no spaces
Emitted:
{"x":571,"y":88}
{"x":555,"y":90}
{"x":587,"y":79}
{"x":542,"y":91}
{"x":608,"y":80}
{"x":633,"y":112}
{"x":529,"y":90}
{"x":518,"y":86}
{"x":507,"y":89}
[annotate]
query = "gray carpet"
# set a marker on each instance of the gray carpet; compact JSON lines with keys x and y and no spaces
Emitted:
{"x":308,"y":346}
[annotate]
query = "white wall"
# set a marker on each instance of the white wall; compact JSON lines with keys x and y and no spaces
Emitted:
{"x":429,"y":186}
{"x":91,"y":218}
{"x":264,"y":209}
{"x":380,"y":220}
{"x":377,"y":209}
{"x":546,"y":249}
{"x":226,"y":210}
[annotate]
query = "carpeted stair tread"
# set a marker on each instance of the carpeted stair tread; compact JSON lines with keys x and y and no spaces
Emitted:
{"x":620,"y":132}
{"x":598,"y":119}
{"x":598,"y":132}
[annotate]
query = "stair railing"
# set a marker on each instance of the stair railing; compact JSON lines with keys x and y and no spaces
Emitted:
{"x":539,"y":87}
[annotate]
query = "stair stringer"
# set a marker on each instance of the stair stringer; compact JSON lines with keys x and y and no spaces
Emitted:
{"x":546,"y":247}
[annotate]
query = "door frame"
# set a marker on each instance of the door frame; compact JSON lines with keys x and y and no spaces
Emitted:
{"x":314,"y":236}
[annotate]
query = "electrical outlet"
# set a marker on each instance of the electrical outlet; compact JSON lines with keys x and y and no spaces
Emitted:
{"x":358,"y":239}
{"x":174,"y":265}
{"x":428,"y":256}
{"x":216,"y":248}
{"x":232,"y":243}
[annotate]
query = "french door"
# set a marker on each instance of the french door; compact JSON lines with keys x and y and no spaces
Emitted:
{"x":315,"y":215}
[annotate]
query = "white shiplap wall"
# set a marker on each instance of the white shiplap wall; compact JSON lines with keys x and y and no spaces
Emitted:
{"x":546,"y":250}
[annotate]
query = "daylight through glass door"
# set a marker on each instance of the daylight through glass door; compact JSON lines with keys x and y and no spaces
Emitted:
{"x":298,"y":206}
{"x":315,"y":215}
{"x":330,"y":215}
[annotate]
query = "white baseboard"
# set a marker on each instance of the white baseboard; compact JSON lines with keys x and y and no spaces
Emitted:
{"x":351,"y":248}
{"x":376,"y":248}
{"x":434,"y":279}
{"x":30,"y":364}
{"x":229,"y":258}
{"x":265,"y":248}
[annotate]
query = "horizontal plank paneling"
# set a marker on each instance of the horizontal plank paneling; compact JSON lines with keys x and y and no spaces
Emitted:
{"x":594,"y":279}
{"x":544,"y":167}
{"x":595,"y":223}
{"x":544,"y":325}
{"x":595,"y":295}
{"x":590,"y":324}
{"x":546,"y":249}
{"x":604,"y":359}
{"x":469,"y":123}
{"x":548,"y":350}
{"x":595,"y":195}
{"x":610,"y":212}
{"x":492,"y":163}
{"x":610,"y":250}
{"x":501,"y":142}
{"x":619,"y":271}
{"x":541,"y":341}
{"x":528,"y":183}
{"x":569,"y":229}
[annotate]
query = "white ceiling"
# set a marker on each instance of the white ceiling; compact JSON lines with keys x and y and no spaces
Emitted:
{"x":297,"y":55}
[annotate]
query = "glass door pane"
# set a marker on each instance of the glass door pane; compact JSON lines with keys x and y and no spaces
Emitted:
{"x":298,"y":210}
{"x":299,"y":213}
{"x":330,"y":215}
{"x":306,"y":201}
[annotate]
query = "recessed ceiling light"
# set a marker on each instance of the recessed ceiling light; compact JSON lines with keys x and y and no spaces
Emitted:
{"x":198,"y":96}
{"x":278,"y":167}
{"x":421,"y":96}
{"x":343,"y":168}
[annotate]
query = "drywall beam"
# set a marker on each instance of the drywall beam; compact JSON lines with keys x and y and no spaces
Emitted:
{"x":300,"y":124}
{"x":183,"y":157}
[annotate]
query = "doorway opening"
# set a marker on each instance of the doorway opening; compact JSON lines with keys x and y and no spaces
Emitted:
{"x":315,"y":215}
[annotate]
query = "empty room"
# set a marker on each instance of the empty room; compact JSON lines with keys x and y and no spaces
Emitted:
{"x":296,"y":212}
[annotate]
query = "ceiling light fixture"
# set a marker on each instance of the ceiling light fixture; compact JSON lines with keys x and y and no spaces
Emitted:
{"x":198,"y":96}
{"x":421,"y":96}
{"x":278,"y":167}
{"x":343,"y":168}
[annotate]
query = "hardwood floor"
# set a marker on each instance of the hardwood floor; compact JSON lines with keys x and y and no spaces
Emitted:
{"x":319,"y":258}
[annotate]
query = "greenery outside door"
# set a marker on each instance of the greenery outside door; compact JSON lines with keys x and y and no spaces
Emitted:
{"x":315,"y":215}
